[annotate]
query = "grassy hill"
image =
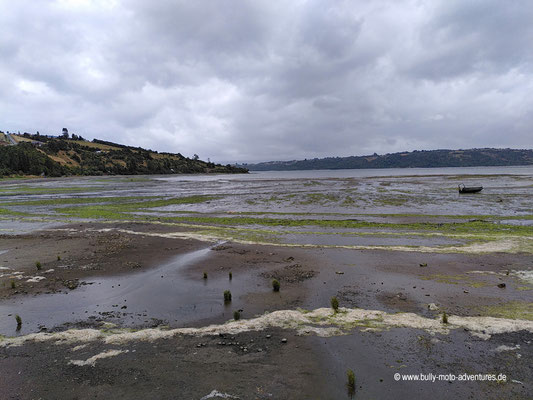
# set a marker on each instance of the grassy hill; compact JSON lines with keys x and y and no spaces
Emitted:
{"x":57,"y":156}
{"x":415,"y":159}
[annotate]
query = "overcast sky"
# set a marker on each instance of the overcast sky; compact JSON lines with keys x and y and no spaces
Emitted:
{"x":245,"y":81}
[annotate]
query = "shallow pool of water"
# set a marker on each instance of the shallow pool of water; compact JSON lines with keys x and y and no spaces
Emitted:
{"x":164,"y":293}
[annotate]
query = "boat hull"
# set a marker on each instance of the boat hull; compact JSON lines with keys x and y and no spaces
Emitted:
{"x":470,"y":189}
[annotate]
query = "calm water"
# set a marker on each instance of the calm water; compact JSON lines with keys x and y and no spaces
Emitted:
{"x":363,"y":173}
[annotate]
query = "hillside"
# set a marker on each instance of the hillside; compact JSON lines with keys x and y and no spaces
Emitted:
{"x":415,"y":159}
{"x":57,"y":156}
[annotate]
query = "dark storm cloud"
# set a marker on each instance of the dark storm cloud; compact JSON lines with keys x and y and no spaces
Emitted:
{"x":262,"y":80}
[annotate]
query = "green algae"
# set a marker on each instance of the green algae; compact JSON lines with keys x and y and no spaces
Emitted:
{"x":80,"y":200}
{"x":510,"y":310}
{"x":123,"y":210}
{"x":456,"y":280}
{"x":318,"y":198}
{"x":48,"y":190}
{"x":396,"y":201}
{"x":488,"y":218}
{"x":7,"y":212}
{"x":348,"y":201}
{"x":480,"y":227}
{"x":312,"y":183}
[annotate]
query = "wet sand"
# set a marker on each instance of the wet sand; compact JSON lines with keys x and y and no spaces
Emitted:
{"x":120,"y":308}
{"x":188,"y":366}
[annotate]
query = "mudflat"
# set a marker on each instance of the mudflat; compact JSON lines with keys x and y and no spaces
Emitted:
{"x":119,"y":285}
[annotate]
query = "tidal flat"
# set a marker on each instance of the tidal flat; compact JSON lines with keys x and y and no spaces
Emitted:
{"x":119,"y":281}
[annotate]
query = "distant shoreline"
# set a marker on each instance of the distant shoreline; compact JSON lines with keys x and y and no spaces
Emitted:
{"x":415,"y":159}
{"x":385,"y":168}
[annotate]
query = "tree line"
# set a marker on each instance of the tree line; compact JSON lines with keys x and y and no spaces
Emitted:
{"x":415,"y":159}
{"x":79,"y":159}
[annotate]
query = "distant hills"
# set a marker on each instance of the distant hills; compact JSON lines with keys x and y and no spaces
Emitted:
{"x":29,"y":154}
{"x":414,"y":159}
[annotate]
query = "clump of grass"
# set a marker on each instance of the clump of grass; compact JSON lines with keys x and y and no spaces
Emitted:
{"x":444,"y":318}
{"x":58,"y":257}
{"x":19,"y":322}
{"x":38,"y":265}
{"x":236,"y":315}
{"x":351,"y":380}
{"x":275,"y":285}
{"x":230,"y":276}
{"x":334,"y":304}
{"x":13,"y":285}
{"x":205,"y":275}
{"x":227,"y":296}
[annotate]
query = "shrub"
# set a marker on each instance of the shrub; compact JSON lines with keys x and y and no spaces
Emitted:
{"x":230,"y":276}
{"x":444,"y":318}
{"x":227,"y":296}
{"x":205,"y":275}
{"x":38,"y":265}
{"x":13,"y":285}
{"x":351,"y":380}
{"x":236,"y":315}
{"x":275,"y":285}
{"x":19,"y":321}
{"x":335,"y":304}
{"x":58,"y":257}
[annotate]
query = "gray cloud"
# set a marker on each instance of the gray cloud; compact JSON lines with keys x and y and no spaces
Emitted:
{"x":263,"y":80}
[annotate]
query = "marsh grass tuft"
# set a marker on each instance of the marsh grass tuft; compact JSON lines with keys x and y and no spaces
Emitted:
{"x":19,"y":321}
{"x":227,"y":296}
{"x":236,"y":315}
{"x":38,"y":265}
{"x":205,"y":275}
{"x":275,"y":285}
{"x":351,"y":380}
{"x":230,"y":275}
{"x":444,"y":318}
{"x":334,"y":304}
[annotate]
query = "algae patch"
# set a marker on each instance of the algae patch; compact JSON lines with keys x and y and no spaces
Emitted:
{"x":517,"y":310}
{"x":456,"y":280}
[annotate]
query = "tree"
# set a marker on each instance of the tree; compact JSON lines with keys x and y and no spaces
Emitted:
{"x":65,"y":133}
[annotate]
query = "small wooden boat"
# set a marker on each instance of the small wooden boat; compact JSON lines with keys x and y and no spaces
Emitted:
{"x":471,"y":189}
